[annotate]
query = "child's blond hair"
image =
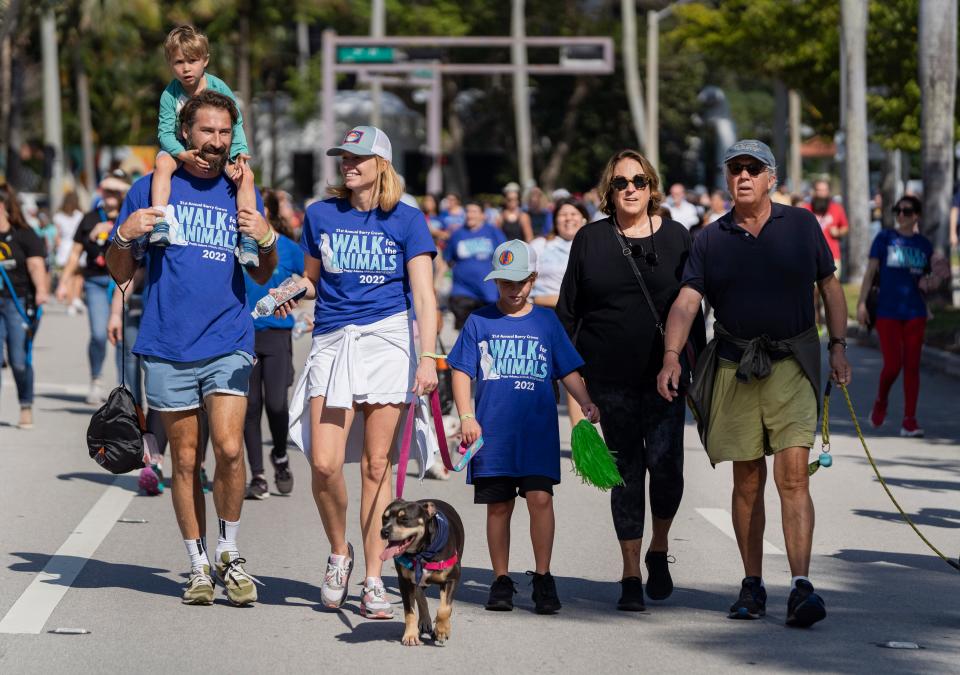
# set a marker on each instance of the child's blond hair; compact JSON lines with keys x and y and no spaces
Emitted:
{"x":188,"y":41}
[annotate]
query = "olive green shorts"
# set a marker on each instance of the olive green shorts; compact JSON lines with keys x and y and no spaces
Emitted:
{"x":760,"y":417}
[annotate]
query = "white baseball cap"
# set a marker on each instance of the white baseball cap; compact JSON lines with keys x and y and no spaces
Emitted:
{"x":364,"y":141}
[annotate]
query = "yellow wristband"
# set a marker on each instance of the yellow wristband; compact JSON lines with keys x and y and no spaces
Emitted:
{"x":467,"y":416}
{"x":432,"y":355}
{"x":267,"y":240}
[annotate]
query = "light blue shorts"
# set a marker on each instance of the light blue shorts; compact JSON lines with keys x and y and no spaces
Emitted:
{"x":173,"y":385}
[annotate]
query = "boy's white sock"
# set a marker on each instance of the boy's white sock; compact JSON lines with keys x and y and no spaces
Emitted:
{"x":794,"y":580}
{"x":228,"y":538}
{"x":197,"y":550}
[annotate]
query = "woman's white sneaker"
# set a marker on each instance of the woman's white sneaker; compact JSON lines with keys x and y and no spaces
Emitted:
{"x":333,"y":592}
{"x":373,"y":602}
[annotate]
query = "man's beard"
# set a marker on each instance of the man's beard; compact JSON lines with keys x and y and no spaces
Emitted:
{"x":820,"y":205}
{"x":214,"y":156}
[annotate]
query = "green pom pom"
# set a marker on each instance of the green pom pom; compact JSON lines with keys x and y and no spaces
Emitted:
{"x":592,"y":460}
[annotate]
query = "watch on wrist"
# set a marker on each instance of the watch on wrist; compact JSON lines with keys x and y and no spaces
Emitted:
{"x":837,"y":341}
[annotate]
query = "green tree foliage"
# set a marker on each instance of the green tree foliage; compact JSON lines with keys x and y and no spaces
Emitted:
{"x":798,"y":43}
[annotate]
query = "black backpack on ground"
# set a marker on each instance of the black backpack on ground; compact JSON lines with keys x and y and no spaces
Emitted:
{"x":115,"y":434}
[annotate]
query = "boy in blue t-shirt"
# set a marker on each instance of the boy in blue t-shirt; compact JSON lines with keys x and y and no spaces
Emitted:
{"x":514,"y":350}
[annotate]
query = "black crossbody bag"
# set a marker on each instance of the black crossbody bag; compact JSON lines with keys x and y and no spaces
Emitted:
{"x":688,"y":355}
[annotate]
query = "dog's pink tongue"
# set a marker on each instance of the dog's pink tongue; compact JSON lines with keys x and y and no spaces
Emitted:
{"x":391,"y":551}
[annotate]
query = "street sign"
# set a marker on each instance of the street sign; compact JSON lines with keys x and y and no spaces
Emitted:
{"x":365,"y":54}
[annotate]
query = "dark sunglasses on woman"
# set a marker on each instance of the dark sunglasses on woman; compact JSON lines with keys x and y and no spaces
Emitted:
{"x":620,"y":183}
{"x":903,"y":210}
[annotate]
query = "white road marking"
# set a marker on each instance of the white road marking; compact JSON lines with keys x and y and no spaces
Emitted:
{"x":32,"y":609}
{"x":721,"y":519}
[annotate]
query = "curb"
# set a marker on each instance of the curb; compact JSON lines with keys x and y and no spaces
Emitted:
{"x":935,"y":359}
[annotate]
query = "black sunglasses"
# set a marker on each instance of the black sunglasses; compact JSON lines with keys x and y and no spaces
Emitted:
{"x":753,"y":168}
{"x":649,"y":257}
{"x":903,"y":210}
{"x":639,"y":181}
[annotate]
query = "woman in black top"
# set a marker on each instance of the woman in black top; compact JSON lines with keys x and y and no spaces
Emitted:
{"x":604,"y":309}
{"x":24,"y":287}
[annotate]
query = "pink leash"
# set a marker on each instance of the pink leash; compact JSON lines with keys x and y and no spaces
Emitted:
{"x":467,"y":452}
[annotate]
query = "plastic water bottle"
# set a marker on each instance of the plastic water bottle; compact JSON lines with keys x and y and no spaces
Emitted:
{"x":302,"y":326}
{"x":290,"y":288}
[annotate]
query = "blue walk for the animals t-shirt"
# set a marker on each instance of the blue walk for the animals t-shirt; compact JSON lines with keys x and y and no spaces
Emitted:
{"x":194,"y":300}
{"x":513,"y":360}
{"x":363,"y":256}
{"x":903,"y":260}
{"x":289,"y":261}
{"x":471,"y":252}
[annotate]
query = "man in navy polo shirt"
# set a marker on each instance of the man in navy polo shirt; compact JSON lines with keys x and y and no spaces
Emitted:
{"x":756,"y":391}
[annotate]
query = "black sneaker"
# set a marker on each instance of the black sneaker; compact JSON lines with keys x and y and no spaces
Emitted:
{"x":752,"y":603}
{"x":501,"y":594}
{"x":258,"y":488}
{"x":283,"y":478}
{"x":631,"y":595}
{"x":805,"y":607}
{"x":659,"y":581}
{"x":544,"y":596}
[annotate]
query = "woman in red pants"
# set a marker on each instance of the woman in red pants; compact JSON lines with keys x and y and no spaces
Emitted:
{"x":901,"y":257}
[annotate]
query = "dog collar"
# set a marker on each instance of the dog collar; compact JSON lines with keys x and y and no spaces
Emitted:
{"x":424,"y":560}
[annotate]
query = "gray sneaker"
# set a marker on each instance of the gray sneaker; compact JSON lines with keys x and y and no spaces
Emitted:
{"x":373,"y":602}
{"x":248,"y":253}
{"x":199,"y":590}
{"x":333,"y":592}
{"x":160,"y":234}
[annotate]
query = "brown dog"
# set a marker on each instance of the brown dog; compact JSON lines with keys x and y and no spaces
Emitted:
{"x":425,"y":540}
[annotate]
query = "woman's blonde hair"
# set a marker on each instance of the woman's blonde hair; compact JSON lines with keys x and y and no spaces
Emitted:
{"x":388,"y":190}
{"x":605,"y":189}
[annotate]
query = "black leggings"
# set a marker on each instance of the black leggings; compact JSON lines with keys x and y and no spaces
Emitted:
{"x":645,"y":432}
{"x":272,"y":374}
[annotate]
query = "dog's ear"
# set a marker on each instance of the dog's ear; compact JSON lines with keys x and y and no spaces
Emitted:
{"x":430,"y":508}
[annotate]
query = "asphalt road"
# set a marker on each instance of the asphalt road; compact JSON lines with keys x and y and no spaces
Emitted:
{"x":65,"y":562}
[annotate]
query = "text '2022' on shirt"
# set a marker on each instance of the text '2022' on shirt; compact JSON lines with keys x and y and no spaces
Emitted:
{"x":363,"y":255}
{"x":194,"y":299}
{"x":513,"y":360}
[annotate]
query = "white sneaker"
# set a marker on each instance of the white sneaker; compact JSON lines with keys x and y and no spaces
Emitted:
{"x":373,"y":602}
{"x":333,"y":592}
{"x":95,"y":395}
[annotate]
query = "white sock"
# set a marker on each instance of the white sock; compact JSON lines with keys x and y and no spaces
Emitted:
{"x":794,"y":580}
{"x":228,"y":538}
{"x":197,"y":550}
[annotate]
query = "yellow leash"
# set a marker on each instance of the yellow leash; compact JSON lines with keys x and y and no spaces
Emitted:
{"x":826,"y":460}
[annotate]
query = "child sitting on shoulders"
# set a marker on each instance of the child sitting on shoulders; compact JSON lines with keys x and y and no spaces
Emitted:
{"x":514,"y":350}
{"x":188,"y":53}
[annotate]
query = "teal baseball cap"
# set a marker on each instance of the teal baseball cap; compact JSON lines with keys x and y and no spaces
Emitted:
{"x":364,"y":141}
{"x":513,"y":260}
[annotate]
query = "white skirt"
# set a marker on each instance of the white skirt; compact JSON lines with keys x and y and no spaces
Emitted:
{"x":355,"y":364}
